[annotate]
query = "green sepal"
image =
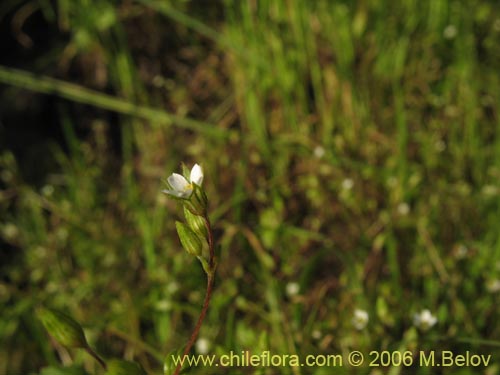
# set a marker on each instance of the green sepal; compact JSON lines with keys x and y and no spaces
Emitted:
{"x":63,"y":328}
{"x":186,"y":172}
{"x":196,"y":223}
{"x":121,"y":367}
{"x":189,"y":240}
{"x":197,"y":202}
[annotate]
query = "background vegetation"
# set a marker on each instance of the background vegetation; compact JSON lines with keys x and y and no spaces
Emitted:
{"x":351,"y":149}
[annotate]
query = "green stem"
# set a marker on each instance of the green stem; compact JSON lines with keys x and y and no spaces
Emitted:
{"x":208,"y":294}
{"x":80,"y":94}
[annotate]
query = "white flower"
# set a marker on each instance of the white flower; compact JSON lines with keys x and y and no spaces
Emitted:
{"x":403,"y":209}
{"x":360,"y":319}
{"x":450,"y":32}
{"x":316,"y":334}
{"x":493,"y":286}
{"x":347,"y":184}
{"x":496,"y":24}
{"x":439,"y":145}
{"x":319,"y":152}
{"x":292,"y":289}
{"x":424,"y":320}
{"x":461,"y":251}
{"x":182,"y":188}
{"x":202,"y":345}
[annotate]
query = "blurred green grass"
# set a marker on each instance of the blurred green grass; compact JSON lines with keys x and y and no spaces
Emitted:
{"x":352,"y":148}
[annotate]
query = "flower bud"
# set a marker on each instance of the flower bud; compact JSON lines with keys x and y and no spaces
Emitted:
{"x":121,"y":367}
{"x":189,"y":240}
{"x":63,"y":328}
{"x":196,"y":223}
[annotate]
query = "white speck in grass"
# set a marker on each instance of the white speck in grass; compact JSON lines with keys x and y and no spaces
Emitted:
{"x":172,"y":287}
{"x":347,"y":184}
{"x":489,"y":190}
{"x":319,"y":152}
{"x":47,"y":190}
{"x":202,"y":345}
{"x":450,"y":32}
{"x":316,"y":334}
{"x":493,"y":286}
{"x":163,"y":305}
{"x":360,"y":319}
{"x":403,"y":209}
{"x":461,"y":251}
{"x":496,"y":25}
{"x":292,"y":289}
{"x":62,"y":234}
{"x":392,"y":182}
{"x":10,"y":231}
{"x":424,"y":320}
{"x":440,"y":145}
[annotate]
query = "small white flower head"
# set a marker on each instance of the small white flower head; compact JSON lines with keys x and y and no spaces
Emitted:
{"x":172,"y":287}
{"x":292,"y":289}
{"x":319,"y":152}
{"x":347,"y":184}
{"x":202,"y":345}
{"x":180,"y":187}
{"x":316,"y":334}
{"x":496,"y":25}
{"x":440,"y":145}
{"x":10,"y":231}
{"x":163,"y":305}
{"x":489,"y":190}
{"x":450,"y":32}
{"x":424,"y":320}
{"x":493,"y":285}
{"x":48,"y":190}
{"x":360,"y":319}
{"x":461,"y":251}
{"x":403,"y":209}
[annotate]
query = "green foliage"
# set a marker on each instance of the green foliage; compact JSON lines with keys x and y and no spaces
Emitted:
{"x":68,"y":370}
{"x":119,"y":367}
{"x":63,"y":328}
{"x":190,"y":241}
{"x":352,"y":148}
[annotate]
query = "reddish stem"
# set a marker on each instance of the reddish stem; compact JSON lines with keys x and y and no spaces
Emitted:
{"x":96,"y":357}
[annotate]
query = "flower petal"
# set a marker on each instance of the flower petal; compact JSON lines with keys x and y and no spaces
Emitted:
{"x":177,"y":182}
{"x":178,"y":194}
{"x":196,"y":175}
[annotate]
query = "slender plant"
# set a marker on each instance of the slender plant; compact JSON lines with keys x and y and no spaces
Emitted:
{"x":195,"y":234}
